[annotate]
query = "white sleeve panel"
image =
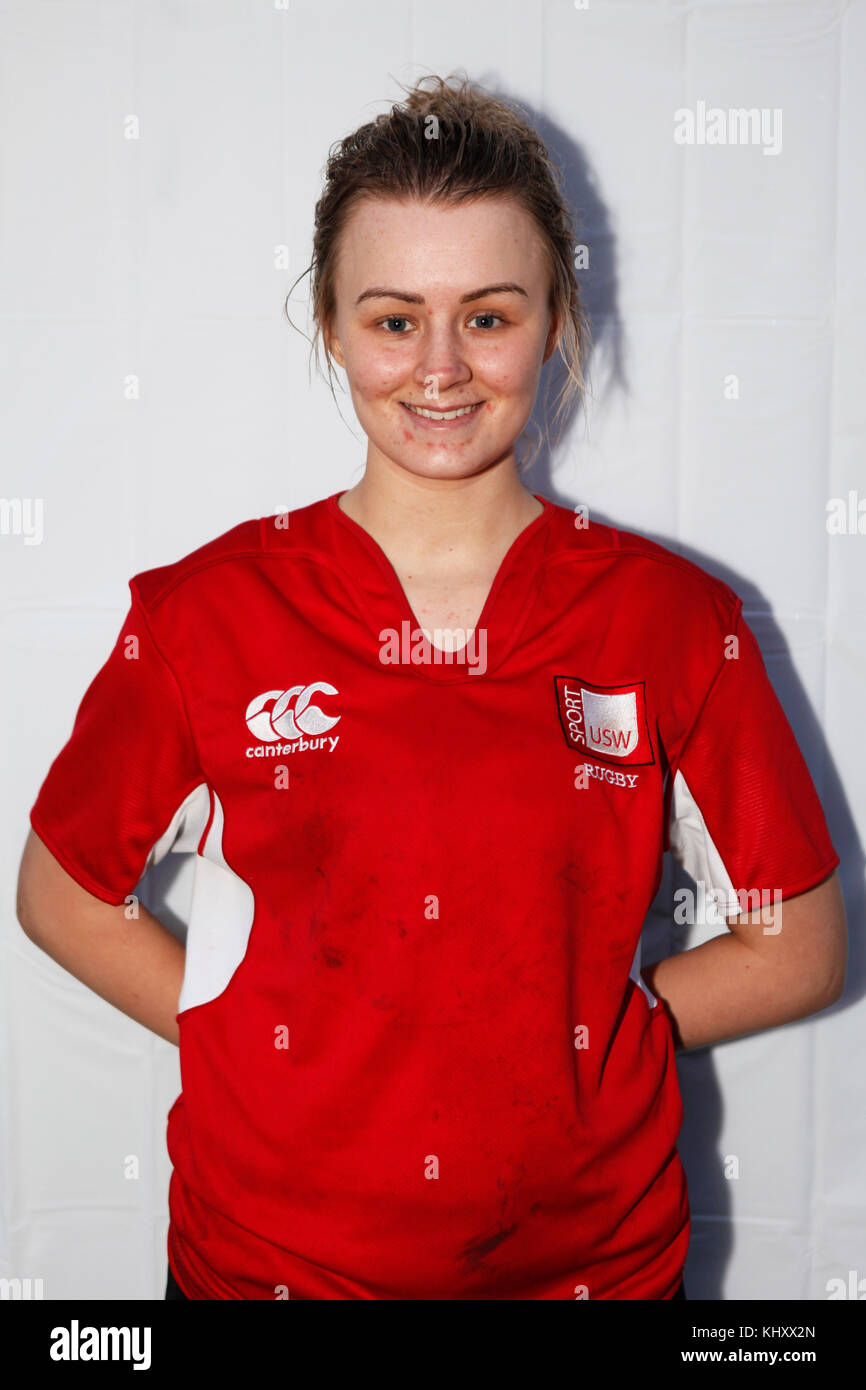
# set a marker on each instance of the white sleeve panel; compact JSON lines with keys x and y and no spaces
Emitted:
{"x":220,"y":921}
{"x":691,"y":844}
{"x":634,"y":974}
{"x":222,"y":908}
{"x":185,"y":828}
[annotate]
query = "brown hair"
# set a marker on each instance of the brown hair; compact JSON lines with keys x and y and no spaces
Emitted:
{"x":450,"y":144}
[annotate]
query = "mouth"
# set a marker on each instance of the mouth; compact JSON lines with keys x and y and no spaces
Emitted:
{"x":441,"y":417}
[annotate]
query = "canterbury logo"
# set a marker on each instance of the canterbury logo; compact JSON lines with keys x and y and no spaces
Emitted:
{"x":288,"y":714}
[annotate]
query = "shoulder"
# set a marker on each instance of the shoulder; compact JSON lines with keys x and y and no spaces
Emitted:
{"x":152,"y":586}
{"x":299,"y":531}
{"x":647,"y":577}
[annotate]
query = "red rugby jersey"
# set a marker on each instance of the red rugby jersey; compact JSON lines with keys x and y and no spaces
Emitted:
{"x":418,"y":1059}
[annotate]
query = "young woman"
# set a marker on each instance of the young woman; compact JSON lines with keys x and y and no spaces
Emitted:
{"x":429,"y":738}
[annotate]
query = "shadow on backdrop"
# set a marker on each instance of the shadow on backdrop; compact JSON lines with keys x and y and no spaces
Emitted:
{"x":699,"y":1143}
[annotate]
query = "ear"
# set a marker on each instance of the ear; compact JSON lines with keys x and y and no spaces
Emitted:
{"x":333,"y":345}
{"x":552,"y":337}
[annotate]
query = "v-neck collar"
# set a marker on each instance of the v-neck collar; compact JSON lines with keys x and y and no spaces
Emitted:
{"x":501,"y":619}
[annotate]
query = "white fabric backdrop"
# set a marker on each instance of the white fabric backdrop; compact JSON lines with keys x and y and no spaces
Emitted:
{"x":156,"y":157}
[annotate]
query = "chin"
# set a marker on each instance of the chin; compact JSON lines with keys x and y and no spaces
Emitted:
{"x":444,"y":469}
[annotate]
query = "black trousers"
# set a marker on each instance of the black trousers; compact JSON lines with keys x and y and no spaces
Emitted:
{"x":173,"y":1289}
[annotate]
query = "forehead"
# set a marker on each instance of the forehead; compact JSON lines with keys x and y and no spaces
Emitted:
{"x":408,"y":244}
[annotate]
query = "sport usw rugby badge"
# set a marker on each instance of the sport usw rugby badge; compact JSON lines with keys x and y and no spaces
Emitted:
{"x":605,"y":721}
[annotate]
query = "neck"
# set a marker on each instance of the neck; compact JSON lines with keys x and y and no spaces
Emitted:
{"x":417,"y":516}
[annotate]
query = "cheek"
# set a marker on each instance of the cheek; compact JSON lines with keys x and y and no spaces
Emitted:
{"x":370,"y":381}
{"x":511,"y":371}
{"x":375,"y":374}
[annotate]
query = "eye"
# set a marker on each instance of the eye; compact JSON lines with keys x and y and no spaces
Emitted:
{"x":395,"y":318}
{"x":403,"y":319}
{"x":488,"y":316}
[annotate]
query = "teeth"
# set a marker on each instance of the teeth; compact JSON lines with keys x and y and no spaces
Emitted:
{"x":442,"y":414}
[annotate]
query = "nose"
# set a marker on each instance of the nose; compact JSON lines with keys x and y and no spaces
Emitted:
{"x":441,"y":362}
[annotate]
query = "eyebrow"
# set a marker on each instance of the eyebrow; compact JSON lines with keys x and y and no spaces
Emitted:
{"x":380,"y":292}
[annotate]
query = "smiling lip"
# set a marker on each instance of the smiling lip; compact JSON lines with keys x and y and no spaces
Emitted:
{"x":471,"y":410}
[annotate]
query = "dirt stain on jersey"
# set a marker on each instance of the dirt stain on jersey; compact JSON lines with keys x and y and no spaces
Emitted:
{"x":474,"y":1251}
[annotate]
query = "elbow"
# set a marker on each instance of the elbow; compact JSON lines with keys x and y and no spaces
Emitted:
{"x":24,"y":905}
{"x":830,"y":989}
{"x":836,"y":987}
{"x":25,"y":916}
{"x":34,"y":888}
{"x":837,"y":967}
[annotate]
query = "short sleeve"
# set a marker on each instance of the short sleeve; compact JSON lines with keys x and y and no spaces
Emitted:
{"x":114,"y":797}
{"x":744,"y":813}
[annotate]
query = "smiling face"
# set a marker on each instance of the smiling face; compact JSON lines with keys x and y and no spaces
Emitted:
{"x":440,"y":308}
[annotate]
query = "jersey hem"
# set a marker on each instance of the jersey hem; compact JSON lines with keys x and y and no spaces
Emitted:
{"x":811,"y":880}
{"x":178,"y":1281}
{"x":81,"y":876}
{"x":177,"y":1269}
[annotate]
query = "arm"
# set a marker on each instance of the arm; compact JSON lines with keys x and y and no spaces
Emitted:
{"x":134,"y":963}
{"x":745,"y":979}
